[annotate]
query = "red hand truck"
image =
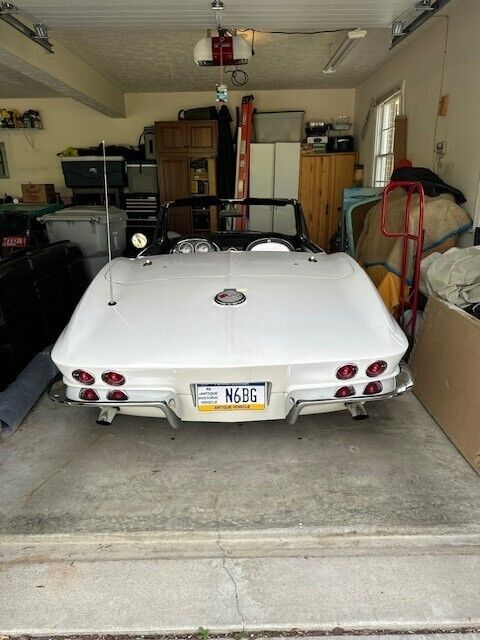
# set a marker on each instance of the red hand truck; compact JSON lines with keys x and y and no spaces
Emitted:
{"x":407,"y":300}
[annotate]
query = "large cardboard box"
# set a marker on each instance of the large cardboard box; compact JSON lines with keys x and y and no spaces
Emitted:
{"x":38,"y":193}
{"x":446,"y":369}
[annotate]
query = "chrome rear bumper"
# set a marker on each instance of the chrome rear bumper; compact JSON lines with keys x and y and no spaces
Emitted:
{"x":403,"y":383}
{"x":58,"y":393}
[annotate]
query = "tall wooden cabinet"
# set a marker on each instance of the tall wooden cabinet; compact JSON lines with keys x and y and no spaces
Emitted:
{"x":322,"y":180}
{"x":186,"y":160}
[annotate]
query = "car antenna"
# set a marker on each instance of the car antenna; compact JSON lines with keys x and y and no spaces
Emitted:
{"x":111,"y":302}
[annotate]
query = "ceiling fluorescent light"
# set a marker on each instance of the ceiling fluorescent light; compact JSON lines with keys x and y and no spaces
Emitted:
{"x":344,"y":49}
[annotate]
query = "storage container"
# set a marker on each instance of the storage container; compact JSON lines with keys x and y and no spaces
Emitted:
{"x":87,"y":226}
{"x":142,"y":178}
{"x":149,"y":141}
{"x":87,"y":171}
{"x":278,"y":126}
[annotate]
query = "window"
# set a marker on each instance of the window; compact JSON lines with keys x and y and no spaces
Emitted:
{"x":3,"y":161}
{"x":387,"y":111}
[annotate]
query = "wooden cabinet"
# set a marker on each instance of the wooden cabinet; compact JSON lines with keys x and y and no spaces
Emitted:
{"x":202,"y":137}
{"x":173,"y":180}
{"x":322,"y":180}
{"x":170,"y":137}
{"x":314,"y":193}
{"x":186,"y":136}
{"x":186,"y":162}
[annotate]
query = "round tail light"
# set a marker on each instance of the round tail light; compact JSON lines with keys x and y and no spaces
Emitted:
{"x":345,"y":392}
{"x":113,"y":378}
{"x":373,"y":388}
{"x":376,"y":368}
{"x":83,"y":376}
{"x":88,"y":394}
{"x":117,"y":395}
{"x":346,"y":372}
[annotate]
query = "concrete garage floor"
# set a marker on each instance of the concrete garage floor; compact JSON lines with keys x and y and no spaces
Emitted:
{"x":329,"y":523}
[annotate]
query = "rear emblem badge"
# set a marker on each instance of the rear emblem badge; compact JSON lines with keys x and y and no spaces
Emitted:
{"x":230,"y":297}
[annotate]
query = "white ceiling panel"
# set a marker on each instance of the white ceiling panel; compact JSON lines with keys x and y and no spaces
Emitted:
{"x":185,"y":14}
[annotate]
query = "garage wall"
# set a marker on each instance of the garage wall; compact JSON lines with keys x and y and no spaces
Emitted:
{"x":69,"y":123}
{"x":419,"y":64}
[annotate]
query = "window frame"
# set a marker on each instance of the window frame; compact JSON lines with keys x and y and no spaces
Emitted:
{"x":383,"y":149}
{"x":4,"y":172}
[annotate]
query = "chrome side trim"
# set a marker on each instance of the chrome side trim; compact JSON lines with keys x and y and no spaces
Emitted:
{"x":58,"y":393}
{"x":403,"y":383}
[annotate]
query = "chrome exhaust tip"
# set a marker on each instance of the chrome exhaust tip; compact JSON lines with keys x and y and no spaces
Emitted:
{"x":357,"y":410}
{"x":106,"y":415}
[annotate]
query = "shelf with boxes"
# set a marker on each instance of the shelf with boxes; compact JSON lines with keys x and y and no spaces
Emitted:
{"x":12,"y":120}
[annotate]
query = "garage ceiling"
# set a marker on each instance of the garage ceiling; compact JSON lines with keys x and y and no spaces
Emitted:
{"x":146,"y":45}
{"x":158,"y":60}
{"x":182,"y":14}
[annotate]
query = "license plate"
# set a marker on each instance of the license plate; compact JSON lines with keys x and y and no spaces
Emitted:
{"x":14,"y":241}
{"x":231,"y":397}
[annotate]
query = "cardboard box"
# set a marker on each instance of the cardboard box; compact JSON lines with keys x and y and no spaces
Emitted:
{"x":38,"y":193}
{"x":445,"y":363}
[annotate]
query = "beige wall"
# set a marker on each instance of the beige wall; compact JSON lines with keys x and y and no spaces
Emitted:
{"x":419,"y":65}
{"x":69,"y":123}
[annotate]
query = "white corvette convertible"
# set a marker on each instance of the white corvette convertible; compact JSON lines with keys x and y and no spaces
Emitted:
{"x":249,"y":322}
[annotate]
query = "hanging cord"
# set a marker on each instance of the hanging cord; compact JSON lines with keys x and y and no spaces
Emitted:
{"x":239,"y":77}
{"x":436,"y":159}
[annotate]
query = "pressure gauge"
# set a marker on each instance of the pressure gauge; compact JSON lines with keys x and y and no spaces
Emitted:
{"x":139,"y":240}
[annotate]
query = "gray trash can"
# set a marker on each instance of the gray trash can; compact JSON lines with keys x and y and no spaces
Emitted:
{"x":87,"y":226}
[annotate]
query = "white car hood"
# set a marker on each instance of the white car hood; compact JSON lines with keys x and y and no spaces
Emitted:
{"x":296,"y":311}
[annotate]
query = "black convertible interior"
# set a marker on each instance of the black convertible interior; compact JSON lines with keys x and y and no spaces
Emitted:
{"x":250,"y":224}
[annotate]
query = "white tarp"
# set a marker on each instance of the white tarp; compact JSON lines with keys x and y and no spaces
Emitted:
{"x":453,"y":276}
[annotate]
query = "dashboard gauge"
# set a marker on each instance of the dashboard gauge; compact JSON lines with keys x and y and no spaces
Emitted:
{"x":202,"y":247}
{"x":185,"y":247}
{"x":139,"y":240}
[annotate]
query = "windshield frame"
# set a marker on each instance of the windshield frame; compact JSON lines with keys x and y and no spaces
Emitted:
{"x":161,"y":231}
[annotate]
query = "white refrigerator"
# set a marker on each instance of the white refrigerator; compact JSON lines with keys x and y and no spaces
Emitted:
{"x":274,"y":173}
